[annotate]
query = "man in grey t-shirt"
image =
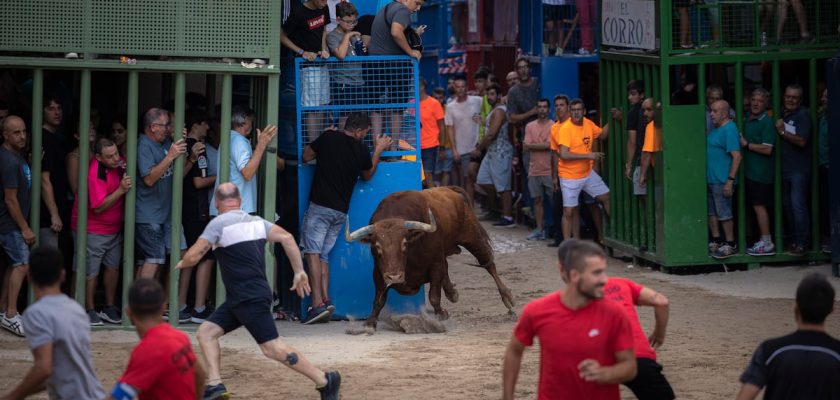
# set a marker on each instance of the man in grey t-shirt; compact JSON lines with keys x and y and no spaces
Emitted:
{"x":58,"y":333}
{"x":387,"y":35}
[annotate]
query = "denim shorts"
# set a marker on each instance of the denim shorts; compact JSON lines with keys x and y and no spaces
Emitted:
{"x":151,"y":243}
{"x":718,"y":204}
{"x":429,"y":157}
{"x":444,"y":164}
{"x":15,"y":247}
{"x":321,"y":226}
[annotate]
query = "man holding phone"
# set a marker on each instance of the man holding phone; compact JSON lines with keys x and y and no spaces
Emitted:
{"x":156,"y":154}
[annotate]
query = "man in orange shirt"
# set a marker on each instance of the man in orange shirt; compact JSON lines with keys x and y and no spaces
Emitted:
{"x":652,"y":143}
{"x":574,"y":141}
{"x":431,"y":126}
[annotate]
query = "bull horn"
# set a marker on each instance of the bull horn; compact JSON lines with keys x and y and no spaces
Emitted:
{"x":422,"y":226}
{"x":357,"y":234}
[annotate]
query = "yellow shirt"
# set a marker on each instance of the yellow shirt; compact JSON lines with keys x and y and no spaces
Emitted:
{"x":579,"y":140}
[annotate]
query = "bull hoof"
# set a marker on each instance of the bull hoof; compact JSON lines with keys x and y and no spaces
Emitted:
{"x":452,"y":296}
{"x":512,"y":315}
{"x":443,"y":315}
{"x":507,"y":298}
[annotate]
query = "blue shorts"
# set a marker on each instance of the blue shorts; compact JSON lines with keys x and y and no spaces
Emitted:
{"x":445,"y":164}
{"x":429,"y":157}
{"x":718,"y":204}
{"x":321,"y":226}
{"x":254,"y":315}
{"x":15,"y":247}
{"x":151,"y":243}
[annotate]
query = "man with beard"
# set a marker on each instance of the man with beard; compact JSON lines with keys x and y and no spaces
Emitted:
{"x":494,"y":173}
{"x":586,"y":344}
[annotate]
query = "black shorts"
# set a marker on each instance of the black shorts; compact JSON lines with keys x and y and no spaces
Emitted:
{"x":759,"y":194}
{"x":349,"y":95}
{"x":649,"y":383}
{"x":192,"y":231}
{"x":255,"y":315}
{"x":389,"y":82}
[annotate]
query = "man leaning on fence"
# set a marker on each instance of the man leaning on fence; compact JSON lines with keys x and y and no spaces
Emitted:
{"x":15,"y":234}
{"x":107,"y":186}
{"x":723,"y":157}
{"x":794,"y":130}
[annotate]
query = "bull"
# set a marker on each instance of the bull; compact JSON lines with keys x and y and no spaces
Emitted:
{"x":410,"y":235}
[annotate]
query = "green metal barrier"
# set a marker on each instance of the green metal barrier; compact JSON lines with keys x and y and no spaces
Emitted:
{"x":674,"y":233}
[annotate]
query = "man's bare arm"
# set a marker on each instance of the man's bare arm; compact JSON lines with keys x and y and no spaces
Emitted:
{"x":511,"y":366}
{"x":41,"y":370}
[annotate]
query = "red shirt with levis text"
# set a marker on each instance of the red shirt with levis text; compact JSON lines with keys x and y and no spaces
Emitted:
{"x":161,"y":366}
{"x":597,"y":331}
{"x":626,"y":293}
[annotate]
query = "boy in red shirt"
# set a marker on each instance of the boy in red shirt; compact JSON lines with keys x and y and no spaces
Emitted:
{"x":586,"y":344}
{"x":163,"y":365}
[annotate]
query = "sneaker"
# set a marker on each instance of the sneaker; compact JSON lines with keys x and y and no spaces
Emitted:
{"x":317,"y":314}
{"x":536,"y":235}
{"x":110,"y":315}
{"x":183,"y":315}
{"x":93,"y":316}
{"x":329,"y":305}
{"x":330,"y":390}
{"x":725,"y":251}
{"x":504,"y":223}
{"x":582,"y":51}
{"x":258,"y":61}
{"x":555,"y":243}
{"x":71,"y":55}
{"x":488,"y":216}
{"x":199,"y":317}
{"x":14,"y":324}
{"x":826,"y":249}
{"x":797,"y":250}
{"x":713,"y":247}
{"x":215,"y":392}
{"x":760,"y":248}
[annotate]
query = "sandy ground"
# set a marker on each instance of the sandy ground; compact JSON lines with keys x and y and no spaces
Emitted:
{"x":717,"y":320}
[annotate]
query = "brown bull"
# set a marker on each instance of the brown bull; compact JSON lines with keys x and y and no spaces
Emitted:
{"x":410,"y":235}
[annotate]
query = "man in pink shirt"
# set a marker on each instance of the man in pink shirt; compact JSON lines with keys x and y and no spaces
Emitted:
{"x":106,"y":192}
{"x":542,"y":168}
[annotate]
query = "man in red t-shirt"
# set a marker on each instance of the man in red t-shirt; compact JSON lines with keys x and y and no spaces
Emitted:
{"x":163,"y":365}
{"x":431,"y":126}
{"x":586,"y":343}
{"x":649,"y":382}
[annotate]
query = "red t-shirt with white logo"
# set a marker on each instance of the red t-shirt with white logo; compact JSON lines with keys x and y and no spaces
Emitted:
{"x":161,"y":366}
{"x":626,"y":293}
{"x":597,"y":331}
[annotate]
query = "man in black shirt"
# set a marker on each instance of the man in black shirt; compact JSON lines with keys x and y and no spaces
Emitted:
{"x":804,"y":364}
{"x":304,"y":35}
{"x":55,"y":208}
{"x":342,"y":157}
{"x":198,"y":183}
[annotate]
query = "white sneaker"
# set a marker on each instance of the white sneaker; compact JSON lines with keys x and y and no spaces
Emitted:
{"x":71,"y":55}
{"x":582,"y":51}
{"x":258,"y":61}
{"x":14,"y":325}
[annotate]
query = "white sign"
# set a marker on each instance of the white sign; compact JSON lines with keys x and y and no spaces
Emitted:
{"x":629,"y":24}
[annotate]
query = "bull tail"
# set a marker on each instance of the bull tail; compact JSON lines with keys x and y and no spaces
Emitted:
{"x":463,"y":194}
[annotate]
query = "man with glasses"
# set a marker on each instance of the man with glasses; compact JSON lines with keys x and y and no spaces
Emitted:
{"x":156,"y":154}
{"x":794,"y":129}
{"x":575,"y":142}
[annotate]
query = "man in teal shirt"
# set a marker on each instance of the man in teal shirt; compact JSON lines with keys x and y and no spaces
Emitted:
{"x":758,"y":142}
{"x":723,"y":156}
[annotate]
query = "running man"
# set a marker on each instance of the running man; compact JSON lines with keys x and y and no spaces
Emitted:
{"x":58,"y":334}
{"x":162,"y":365}
{"x":586,"y":343}
{"x":238,"y":242}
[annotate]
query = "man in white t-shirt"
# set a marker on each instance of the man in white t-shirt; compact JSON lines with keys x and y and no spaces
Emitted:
{"x":462,"y":120}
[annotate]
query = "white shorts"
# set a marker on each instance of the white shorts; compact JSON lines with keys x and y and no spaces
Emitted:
{"x":638,"y":190}
{"x":315,"y":86}
{"x":593,"y":185}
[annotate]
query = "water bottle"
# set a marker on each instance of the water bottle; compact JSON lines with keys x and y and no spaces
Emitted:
{"x":357,"y":46}
{"x":201,"y":160}
{"x":763,"y":39}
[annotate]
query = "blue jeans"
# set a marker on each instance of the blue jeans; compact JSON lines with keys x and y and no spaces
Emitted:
{"x":795,"y":188}
{"x":321,"y":227}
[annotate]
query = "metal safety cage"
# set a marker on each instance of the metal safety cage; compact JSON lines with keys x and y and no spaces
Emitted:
{"x":564,"y":28}
{"x":725,"y":25}
{"x":385,"y":87}
{"x":673,"y":233}
{"x":175,"y":28}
